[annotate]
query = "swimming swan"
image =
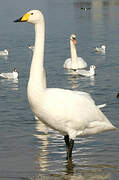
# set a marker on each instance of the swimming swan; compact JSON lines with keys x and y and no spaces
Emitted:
{"x":87,"y":73}
{"x":74,"y":62}
{"x":72,"y":113}
{"x":10,"y":75}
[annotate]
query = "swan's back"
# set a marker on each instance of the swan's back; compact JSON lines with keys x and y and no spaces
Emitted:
{"x":71,"y":112}
{"x":80,"y":63}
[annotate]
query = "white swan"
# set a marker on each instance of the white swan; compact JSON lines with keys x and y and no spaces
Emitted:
{"x":87,"y":73}
{"x":4,"y":53}
{"x":72,"y":113}
{"x":10,"y":75}
{"x":74,"y":62}
{"x":101,"y":49}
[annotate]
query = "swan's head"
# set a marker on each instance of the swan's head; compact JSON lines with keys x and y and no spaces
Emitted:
{"x":73,"y":39}
{"x":33,"y":16}
{"x":92,"y":67}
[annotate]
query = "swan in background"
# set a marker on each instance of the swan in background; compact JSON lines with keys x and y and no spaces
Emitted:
{"x":4,"y":53}
{"x":87,"y":73}
{"x":74,"y":62}
{"x":101,"y":49}
{"x":72,"y":113}
{"x":10,"y":75}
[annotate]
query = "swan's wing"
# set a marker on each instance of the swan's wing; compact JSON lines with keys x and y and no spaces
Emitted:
{"x":87,"y":95}
{"x":73,"y":113}
{"x":67,"y":63}
{"x":82,"y":63}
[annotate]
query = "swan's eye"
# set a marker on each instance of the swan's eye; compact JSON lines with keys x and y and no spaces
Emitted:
{"x":31,"y":13}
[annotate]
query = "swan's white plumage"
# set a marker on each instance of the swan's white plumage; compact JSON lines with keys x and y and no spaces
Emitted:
{"x":87,"y":73}
{"x":71,"y":113}
{"x":74,"y":62}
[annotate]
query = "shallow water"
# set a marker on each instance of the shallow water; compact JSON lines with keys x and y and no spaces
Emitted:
{"x":28,"y":150}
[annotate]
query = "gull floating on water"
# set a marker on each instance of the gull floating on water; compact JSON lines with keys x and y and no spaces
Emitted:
{"x":10,"y":75}
{"x":101,"y":49}
{"x":4,"y":53}
{"x":31,"y":47}
{"x":87,"y":73}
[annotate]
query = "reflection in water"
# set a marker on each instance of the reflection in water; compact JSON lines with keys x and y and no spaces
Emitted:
{"x":12,"y":83}
{"x":4,"y":57}
{"x":74,"y":79}
{"x":42,"y":130}
{"x":82,"y":167}
{"x":70,"y":167}
{"x":92,"y":80}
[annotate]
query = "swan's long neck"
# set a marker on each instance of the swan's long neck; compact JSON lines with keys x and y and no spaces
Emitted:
{"x":73,"y":52}
{"x":36,"y":79}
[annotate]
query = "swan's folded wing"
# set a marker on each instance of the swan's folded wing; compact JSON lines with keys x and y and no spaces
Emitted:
{"x":67,"y":62}
{"x":73,"y":110}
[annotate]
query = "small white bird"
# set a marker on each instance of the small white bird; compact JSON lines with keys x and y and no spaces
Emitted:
{"x":101,"y":49}
{"x":10,"y":75}
{"x":87,"y":73}
{"x":31,"y":47}
{"x":72,"y":113}
{"x":4,"y":53}
{"x":74,"y":62}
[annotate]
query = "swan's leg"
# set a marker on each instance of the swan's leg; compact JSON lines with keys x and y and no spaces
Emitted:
{"x":66,"y":138}
{"x":69,"y":146}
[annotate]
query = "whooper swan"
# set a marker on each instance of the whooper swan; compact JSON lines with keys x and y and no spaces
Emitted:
{"x":72,"y":113}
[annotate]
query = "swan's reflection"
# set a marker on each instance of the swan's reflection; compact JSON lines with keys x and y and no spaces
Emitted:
{"x":42,"y":136}
{"x":73,"y":78}
{"x":79,"y":169}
